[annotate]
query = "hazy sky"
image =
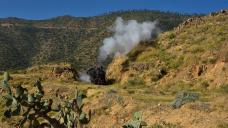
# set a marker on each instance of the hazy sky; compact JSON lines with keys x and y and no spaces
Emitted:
{"x":41,"y":9}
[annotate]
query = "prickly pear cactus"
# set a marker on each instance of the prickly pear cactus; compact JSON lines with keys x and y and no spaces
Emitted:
{"x":5,"y":86}
{"x":136,"y":122}
{"x":13,"y":107}
{"x":72,"y":115}
{"x":34,"y":106}
{"x":20,"y":92}
{"x":6,"y":76}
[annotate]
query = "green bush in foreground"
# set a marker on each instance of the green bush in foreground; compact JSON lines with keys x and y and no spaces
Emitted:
{"x":183,"y":98}
{"x":137,"y":121}
{"x":33,"y":108}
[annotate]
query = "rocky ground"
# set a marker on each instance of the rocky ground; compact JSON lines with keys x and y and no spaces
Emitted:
{"x":113,"y":105}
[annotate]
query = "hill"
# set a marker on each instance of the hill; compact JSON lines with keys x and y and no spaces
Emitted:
{"x":192,"y":56}
{"x":76,"y":40}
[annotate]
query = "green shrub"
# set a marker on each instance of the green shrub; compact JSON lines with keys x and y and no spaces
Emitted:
{"x":163,"y":124}
{"x":223,"y":125}
{"x":136,"y":122}
{"x":224,"y":88}
{"x":175,"y":87}
{"x":175,"y":63}
{"x":196,"y":49}
{"x":135,"y":81}
{"x":183,"y":98}
{"x":171,"y":35}
{"x":204,"y":84}
{"x":212,"y":59}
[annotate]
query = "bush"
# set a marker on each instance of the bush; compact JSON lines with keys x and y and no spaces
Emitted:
{"x":212,"y":59}
{"x":205,"y":84}
{"x":183,"y":98}
{"x":135,"y":81}
{"x":171,"y":36}
{"x":136,"y":122}
{"x":175,"y":87}
{"x":224,"y":88}
{"x":164,"y":124}
{"x":223,"y":125}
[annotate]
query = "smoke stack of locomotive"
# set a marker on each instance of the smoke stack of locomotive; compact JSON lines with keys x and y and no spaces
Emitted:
{"x":97,"y":75}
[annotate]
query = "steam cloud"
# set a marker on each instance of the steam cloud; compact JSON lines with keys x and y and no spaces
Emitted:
{"x":127,"y":34}
{"x":84,"y":77}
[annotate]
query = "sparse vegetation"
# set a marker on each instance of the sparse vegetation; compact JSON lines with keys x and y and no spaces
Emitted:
{"x":135,"y":82}
{"x":223,"y":125}
{"x":188,"y":62}
{"x":32,"y":108}
{"x":224,"y":88}
{"x":163,"y":124}
{"x":136,"y":122}
{"x":66,"y":39}
{"x":194,"y":50}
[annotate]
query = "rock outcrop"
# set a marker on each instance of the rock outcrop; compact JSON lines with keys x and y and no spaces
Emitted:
{"x":66,"y":72}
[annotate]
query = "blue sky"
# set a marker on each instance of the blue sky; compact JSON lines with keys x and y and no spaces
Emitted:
{"x":42,"y":9}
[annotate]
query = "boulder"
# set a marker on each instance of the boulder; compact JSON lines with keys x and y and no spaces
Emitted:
{"x":66,"y":72}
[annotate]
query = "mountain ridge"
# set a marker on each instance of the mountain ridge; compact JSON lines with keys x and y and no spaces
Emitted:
{"x":193,"y":55}
{"x":65,"y":39}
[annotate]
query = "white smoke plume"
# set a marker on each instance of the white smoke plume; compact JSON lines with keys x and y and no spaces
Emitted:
{"x":127,"y":34}
{"x":84,"y":77}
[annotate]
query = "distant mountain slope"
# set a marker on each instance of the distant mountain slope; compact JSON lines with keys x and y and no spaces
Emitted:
{"x":65,"y":39}
{"x":193,"y":55}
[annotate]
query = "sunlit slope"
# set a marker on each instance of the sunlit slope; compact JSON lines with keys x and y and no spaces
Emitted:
{"x":65,"y":39}
{"x":193,"y":55}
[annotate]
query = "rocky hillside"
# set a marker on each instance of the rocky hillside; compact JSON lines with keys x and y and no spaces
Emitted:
{"x":65,"y":39}
{"x":192,"y":56}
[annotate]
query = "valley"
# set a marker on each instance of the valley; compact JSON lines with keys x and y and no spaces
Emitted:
{"x":189,"y":55}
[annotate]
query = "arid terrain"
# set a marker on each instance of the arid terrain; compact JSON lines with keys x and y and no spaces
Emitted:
{"x":191,"y":57}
